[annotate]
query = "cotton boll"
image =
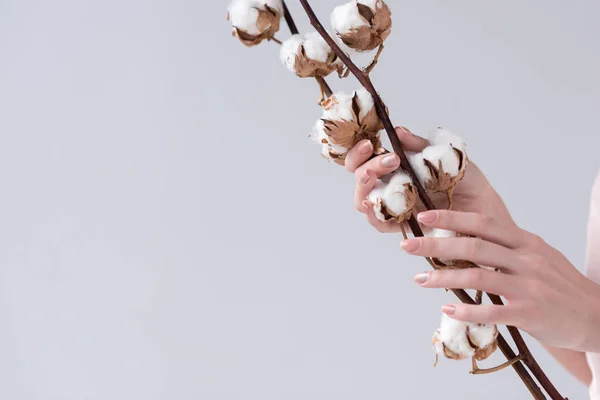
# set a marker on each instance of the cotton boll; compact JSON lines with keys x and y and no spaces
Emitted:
{"x":243,"y":15}
{"x":365,"y":99}
{"x":362,"y":28}
{"x":393,"y":197}
{"x":453,"y":334}
{"x":339,"y":107}
{"x":350,"y":118}
{"x":316,"y":47}
{"x":482,"y":335}
{"x":375,"y":197}
{"x":346,"y":17}
{"x":458,"y":340}
{"x":276,"y":4}
{"x":331,"y":155}
{"x":417,"y":162}
{"x":289,"y":50}
{"x":443,"y":136}
{"x":372,"y":4}
{"x":254,"y":20}
{"x":318,"y":135}
{"x":447,"y":155}
{"x":443,"y":233}
{"x":438,"y":233}
{"x":309,"y":56}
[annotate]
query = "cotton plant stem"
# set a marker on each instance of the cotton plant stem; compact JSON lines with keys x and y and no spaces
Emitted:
{"x":289,"y":20}
{"x":379,"y":106}
{"x":528,"y":358}
{"x":365,"y":80}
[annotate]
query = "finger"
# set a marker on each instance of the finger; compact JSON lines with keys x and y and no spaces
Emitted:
{"x":487,"y":314}
{"x":365,"y":183}
{"x":410,"y":141}
{"x":471,"y":249}
{"x":471,"y":278}
{"x":478,"y":225}
{"x":380,"y":165}
{"x":358,"y":155}
{"x":382,"y":227}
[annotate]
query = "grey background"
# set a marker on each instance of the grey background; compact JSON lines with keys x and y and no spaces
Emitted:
{"x":167,"y":231}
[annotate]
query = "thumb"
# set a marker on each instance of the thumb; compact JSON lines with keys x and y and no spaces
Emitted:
{"x":410,"y":141}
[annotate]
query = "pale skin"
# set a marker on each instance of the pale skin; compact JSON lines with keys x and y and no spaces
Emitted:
{"x":545,"y":295}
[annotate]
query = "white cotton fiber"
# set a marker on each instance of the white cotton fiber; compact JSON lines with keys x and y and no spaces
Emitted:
{"x":244,"y":16}
{"x":346,"y":17}
{"x":453,"y":334}
{"x":446,"y":154}
{"x":315,"y":47}
{"x":443,"y":136}
{"x":289,"y":50}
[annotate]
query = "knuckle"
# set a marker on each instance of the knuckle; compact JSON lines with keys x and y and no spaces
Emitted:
{"x":535,"y":261}
{"x":490,"y":314}
{"x":483,"y":222}
{"x":428,"y":245}
{"x":475,"y":246}
{"x":534,"y":241}
{"x":475,"y":278}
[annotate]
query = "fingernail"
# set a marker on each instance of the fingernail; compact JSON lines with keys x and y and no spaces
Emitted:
{"x":390,"y":160}
{"x":405,"y":130}
{"x":365,"y":148}
{"x":421,"y":278}
{"x":428,"y":217}
{"x":365,"y":206}
{"x":449,"y":309}
{"x":411,"y":244}
{"x":365,"y":177}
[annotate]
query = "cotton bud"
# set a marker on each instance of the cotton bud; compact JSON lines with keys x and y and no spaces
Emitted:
{"x":442,"y":165}
{"x":393,"y":197}
{"x":254,"y":20}
{"x":309,"y":56}
{"x":362,"y":25}
{"x":346,"y":120}
{"x":329,"y":151}
{"x":459,"y":340}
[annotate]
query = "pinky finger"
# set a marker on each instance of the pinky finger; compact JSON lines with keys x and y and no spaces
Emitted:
{"x":484,"y":314}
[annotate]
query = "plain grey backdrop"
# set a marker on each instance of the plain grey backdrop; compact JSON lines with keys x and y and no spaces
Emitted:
{"x":168,"y":232}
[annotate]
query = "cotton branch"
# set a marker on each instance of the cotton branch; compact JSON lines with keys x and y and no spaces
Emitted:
{"x":525,"y":354}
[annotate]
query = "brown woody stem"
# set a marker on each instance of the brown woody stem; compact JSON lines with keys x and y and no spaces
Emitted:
{"x":528,"y":358}
{"x":375,"y":60}
{"x":479,"y":371}
{"x":323,"y":86}
{"x":365,"y":80}
{"x":289,"y":20}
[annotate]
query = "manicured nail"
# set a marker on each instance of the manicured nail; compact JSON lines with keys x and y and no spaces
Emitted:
{"x":365,"y":206}
{"x":411,"y":244}
{"x":365,"y":177}
{"x":421,"y":278}
{"x":406,"y":131}
{"x":365,"y":148}
{"x":449,"y":309}
{"x":428,"y":217}
{"x":390,"y":161}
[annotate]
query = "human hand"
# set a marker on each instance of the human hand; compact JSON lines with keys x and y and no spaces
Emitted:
{"x":473,"y":193}
{"x":546,"y":296}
